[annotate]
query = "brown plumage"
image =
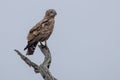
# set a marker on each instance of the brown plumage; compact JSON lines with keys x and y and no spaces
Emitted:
{"x":41,"y":31}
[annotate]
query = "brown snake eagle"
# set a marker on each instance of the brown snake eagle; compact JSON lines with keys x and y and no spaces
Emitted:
{"x":41,"y":31}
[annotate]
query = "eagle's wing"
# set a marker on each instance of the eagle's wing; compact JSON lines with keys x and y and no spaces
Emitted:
{"x":38,"y":25}
{"x":35,"y":30}
{"x":40,"y":33}
{"x":32,"y":35}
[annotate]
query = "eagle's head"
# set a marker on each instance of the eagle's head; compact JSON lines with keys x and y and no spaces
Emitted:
{"x":51,"y":13}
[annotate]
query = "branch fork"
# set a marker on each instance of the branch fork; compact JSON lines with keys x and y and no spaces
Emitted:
{"x":43,"y":68}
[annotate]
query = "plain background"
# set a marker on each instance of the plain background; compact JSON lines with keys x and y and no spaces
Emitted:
{"x":85,"y":44}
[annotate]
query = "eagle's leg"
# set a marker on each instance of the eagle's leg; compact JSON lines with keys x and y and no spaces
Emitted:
{"x":41,"y":43}
{"x":45,"y":43}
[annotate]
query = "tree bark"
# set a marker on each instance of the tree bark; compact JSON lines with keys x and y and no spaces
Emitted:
{"x":43,"y":68}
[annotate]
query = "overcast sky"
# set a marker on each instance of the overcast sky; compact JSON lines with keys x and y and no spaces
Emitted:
{"x":85,"y":44}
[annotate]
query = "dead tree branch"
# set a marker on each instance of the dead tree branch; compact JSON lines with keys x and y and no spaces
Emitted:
{"x":43,"y":68}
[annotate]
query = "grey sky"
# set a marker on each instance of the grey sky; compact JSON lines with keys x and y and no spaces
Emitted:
{"x":85,"y":44}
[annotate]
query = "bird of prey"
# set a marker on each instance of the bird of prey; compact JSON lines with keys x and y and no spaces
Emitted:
{"x":41,"y":31}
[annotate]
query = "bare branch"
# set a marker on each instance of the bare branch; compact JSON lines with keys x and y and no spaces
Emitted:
{"x":28,"y":61}
{"x":43,"y":68}
{"x":47,"y":60}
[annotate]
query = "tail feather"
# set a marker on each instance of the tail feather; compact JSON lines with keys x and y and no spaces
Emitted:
{"x":31,"y":48}
{"x":26,"y":47}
